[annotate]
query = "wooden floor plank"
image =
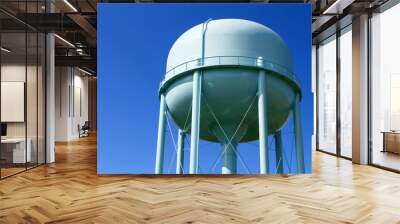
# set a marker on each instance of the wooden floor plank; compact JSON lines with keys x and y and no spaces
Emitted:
{"x":70,"y":191}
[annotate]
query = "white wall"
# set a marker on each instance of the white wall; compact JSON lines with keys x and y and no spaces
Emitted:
{"x":17,"y":73}
{"x":71,"y":102}
{"x":13,"y":100}
{"x":14,"y":73}
{"x":62,"y":83}
{"x":80,"y":103}
{"x":33,"y":126}
{"x":50,"y":94}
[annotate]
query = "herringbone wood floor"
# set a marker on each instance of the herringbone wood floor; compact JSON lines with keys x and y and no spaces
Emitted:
{"x":69,"y":191}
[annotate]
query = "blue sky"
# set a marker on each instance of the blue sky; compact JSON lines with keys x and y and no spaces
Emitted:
{"x":133,"y":44}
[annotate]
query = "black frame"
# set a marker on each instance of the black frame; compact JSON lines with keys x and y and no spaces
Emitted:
{"x":317,"y":93}
{"x":387,"y":5}
{"x":30,"y":29}
{"x":338,"y":152}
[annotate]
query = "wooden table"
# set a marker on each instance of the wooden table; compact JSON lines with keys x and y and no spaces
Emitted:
{"x":391,"y":141}
{"x":13,"y":150}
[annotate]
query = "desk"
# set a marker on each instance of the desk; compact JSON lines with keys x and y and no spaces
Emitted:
{"x":391,"y":141}
{"x":13,"y":150}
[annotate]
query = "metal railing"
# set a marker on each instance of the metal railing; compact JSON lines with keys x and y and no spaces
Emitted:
{"x":231,"y":61}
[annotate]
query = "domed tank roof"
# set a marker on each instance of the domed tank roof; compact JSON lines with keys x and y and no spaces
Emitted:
{"x":228,"y":41}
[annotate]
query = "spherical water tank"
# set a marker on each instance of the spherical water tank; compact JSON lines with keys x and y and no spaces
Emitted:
{"x":229,"y":53}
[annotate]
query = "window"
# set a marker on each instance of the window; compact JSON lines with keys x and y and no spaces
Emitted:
{"x":346,"y":92}
{"x":22,"y":101}
{"x":385,"y":88}
{"x":327,"y":95}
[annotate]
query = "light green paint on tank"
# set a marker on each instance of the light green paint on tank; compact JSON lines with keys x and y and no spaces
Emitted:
{"x":227,"y":38}
{"x":229,"y":92}
{"x":230,"y":83}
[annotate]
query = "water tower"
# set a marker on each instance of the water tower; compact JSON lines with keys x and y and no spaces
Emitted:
{"x":229,"y":81}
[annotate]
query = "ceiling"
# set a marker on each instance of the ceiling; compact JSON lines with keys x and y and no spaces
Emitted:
{"x":75,"y":22}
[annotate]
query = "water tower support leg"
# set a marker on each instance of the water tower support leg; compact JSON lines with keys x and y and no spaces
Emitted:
{"x":298,"y":136}
{"x":160,"y":137}
{"x":263,"y":121}
{"x":195,"y":127}
{"x":230,"y":159}
{"x":278,"y":152}
{"x":180,"y":153}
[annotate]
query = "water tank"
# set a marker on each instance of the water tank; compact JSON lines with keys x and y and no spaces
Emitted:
{"x":234,"y":51}
{"x":229,"y":81}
